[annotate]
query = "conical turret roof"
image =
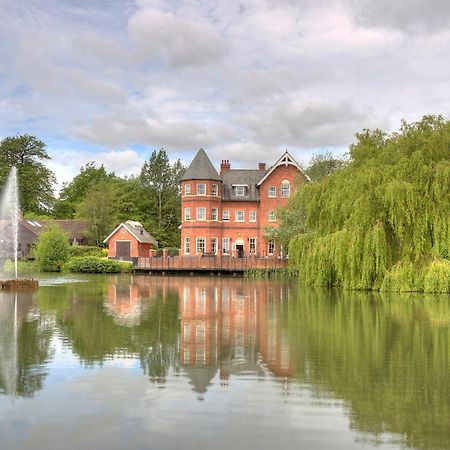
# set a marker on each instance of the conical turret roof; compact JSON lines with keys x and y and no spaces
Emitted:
{"x":201,"y":168}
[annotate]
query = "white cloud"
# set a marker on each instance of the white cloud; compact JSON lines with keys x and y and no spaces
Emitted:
{"x":177,"y":41}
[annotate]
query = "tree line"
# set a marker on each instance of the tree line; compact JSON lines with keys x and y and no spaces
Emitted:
{"x":99,"y":197}
{"x":382,"y":221}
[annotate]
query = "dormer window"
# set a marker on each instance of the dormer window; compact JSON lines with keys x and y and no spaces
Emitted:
{"x":240,"y":190}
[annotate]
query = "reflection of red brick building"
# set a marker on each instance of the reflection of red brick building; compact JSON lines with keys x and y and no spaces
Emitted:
{"x":227,"y":324}
{"x":227,"y":213}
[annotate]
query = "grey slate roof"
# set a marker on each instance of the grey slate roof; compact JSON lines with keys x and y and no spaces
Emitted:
{"x":140,"y":233}
{"x":241,"y":176}
{"x":201,"y":168}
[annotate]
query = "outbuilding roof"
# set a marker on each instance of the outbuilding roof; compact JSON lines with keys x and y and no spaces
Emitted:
{"x":201,"y":168}
{"x":136,"y":230}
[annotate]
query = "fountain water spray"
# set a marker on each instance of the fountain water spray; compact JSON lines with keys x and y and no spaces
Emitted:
{"x":9,"y":215}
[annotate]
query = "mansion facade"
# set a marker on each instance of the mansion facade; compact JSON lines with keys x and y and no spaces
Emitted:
{"x":226,"y":213}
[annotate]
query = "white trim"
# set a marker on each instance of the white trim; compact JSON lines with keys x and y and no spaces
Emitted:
{"x":285,"y":160}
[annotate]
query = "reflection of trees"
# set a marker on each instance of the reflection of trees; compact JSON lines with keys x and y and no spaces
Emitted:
{"x":95,"y":334}
{"x":24,"y":345}
{"x":388,"y":358}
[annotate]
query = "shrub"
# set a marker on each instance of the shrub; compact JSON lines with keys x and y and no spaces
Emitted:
{"x":93,"y":264}
{"x":52,"y":249}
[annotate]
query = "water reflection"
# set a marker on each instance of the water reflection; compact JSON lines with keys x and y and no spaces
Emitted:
{"x":24,"y":345}
{"x":386,"y":359}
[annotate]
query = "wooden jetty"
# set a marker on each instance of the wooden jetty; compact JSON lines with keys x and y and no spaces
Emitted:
{"x":212,"y":264}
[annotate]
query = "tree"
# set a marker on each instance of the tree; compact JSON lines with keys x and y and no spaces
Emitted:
{"x":35,"y":180}
{"x":323,"y":164}
{"x":383,"y":221}
{"x":73,"y":193}
{"x":160,"y":181}
{"x":98,"y":210}
{"x":52,"y":249}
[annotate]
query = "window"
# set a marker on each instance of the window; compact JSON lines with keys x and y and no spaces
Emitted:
{"x":187,"y":213}
{"x":226,"y":246}
{"x":214,"y":214}
{"x":252,"y":245}
{"x":214,"y":189}
{"x":239,"y":191}
{"x":252,"y":216}
{"x":239,"y":216}
{"x":200,"y":245}
{"x":272,"y":191}
{"x":226,"y":215}
{"x":214,"y":245}
{"x":201,"y":214}
{"x":201,"y":189}
{"x":187,"y":245}
{"x":285,"y":188}
{"x":271,"y":248}
{"x":271,"y":216}
{"x":187,"y":189}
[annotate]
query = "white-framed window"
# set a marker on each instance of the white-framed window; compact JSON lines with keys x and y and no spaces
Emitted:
{"x":226,"y":245}
{"x":187,"y":189}
{"x":285,"y":188}
{"x":225,"y":215}
{"x":272,"y":191}
{"x":214,"y":214}
{"x":187,"y":245}
{"x":252,"y":216}
{"x":271,"y":247}
{"x":201,"y":213}
{"x":214,"y":245}
{"x":271,"y":216}
{"x":239,"y":216}
{"x":239,"y":191}
{"x":200,"y":245}
{"x":187,"y":213}
{"x":252,"y":245}
{"x":214,"y":189}
{"x":201,"y":189}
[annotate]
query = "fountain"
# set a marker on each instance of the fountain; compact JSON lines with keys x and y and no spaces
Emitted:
{"x":9,"y":242}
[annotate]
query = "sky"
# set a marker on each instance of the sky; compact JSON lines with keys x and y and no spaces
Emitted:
{"x":112,"y":80}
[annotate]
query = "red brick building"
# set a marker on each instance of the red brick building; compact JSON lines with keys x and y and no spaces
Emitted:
{"x":130,"y":240}
{"x":226,"y":213}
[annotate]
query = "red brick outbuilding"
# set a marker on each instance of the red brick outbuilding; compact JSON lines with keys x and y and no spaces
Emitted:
{"x":130,"y":240}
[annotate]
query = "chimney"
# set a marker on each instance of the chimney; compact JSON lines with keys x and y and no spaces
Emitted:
{"x":225,"y":166}
{"x":262,"y":166}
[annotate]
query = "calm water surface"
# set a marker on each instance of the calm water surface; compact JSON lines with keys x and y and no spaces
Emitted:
{"x":140,"y":362}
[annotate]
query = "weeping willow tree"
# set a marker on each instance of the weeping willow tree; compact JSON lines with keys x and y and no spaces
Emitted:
{"x":383,"y":221}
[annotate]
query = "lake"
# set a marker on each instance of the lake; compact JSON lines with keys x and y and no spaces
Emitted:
{"x":152,"y":362}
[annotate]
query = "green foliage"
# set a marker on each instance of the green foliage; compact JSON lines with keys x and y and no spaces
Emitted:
{"x":93,"y":264}
{"x":52,"y":249}
{"x":72,"y":194}
{"x":35,"y":180}
{"x":381,"y":219}
{"x":323,"y":164}
{"x":86,"y":250}
{"x":437,"y":278}
{"x":23,"y":266}
{"x":97,"y":210}
{"x":160,"y":182}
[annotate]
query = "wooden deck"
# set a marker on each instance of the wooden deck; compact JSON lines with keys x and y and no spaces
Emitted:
{"x":215,"y":264}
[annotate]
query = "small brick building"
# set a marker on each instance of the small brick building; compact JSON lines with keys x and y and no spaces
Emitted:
{"x":227,"y":213}
{"x":130,"y":240}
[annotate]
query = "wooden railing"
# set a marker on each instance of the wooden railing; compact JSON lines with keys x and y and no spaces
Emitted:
{"x":212,"y":264}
